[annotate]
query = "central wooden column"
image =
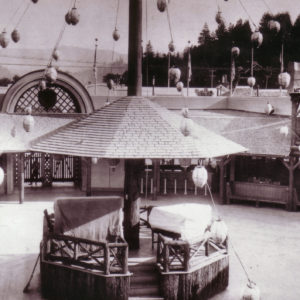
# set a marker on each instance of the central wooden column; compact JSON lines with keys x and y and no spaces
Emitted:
{"x":135,"y":48}
{"x":133,"y":170}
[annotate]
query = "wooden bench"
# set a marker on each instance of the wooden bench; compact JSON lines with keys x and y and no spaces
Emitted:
{"x":257,"y":192}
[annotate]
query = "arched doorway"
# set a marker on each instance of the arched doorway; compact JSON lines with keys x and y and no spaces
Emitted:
{"x":71,"y":98}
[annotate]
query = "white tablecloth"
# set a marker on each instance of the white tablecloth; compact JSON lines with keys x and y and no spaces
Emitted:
{"x":188,"y":219}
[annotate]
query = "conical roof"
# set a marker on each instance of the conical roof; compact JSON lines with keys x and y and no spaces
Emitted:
{"x":134,"y":127}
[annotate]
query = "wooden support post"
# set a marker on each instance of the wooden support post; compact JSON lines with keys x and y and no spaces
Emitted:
{"x":185,"y":187}
{"x":88,"y":176}
{"x":222,"y":193}
{"x":142,"y":185}
{"x":156,"y":178}
{"x":135,"y":48}
{"x":133,"y":171}
{"x":165,"y":186}
{"x":175,"y":186}
{"x":21,"y":177}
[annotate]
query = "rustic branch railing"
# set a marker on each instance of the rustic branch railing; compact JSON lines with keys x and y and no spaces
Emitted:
{"x":178,"y":255}
{"x":92,"y":255}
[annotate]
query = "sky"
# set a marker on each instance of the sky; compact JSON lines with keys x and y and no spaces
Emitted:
{"x":43,"y":21}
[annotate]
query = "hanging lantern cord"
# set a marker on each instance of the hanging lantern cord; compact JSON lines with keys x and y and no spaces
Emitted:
{"x":169,"y":23}
{"x":267,"y":6}
{"x":117,"y":14}
{"x":229,"y":240}
{"x":22,"y":16}
{"x":14,"y":14}
{"x":244,"y":8}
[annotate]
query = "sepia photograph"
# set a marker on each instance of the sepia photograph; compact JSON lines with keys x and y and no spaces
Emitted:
{"x":149,"y":150}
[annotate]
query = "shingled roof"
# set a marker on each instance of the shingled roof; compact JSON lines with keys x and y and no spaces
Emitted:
{"x":134,"y":127}
{"x":259,"y":133}
{"x":13,"y":137}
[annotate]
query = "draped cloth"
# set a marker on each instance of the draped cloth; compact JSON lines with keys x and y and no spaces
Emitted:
{"x":93,"y":218}
{"x":190,"y":220}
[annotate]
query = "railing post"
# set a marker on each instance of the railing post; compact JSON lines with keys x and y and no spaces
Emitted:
{"x":106,"y":260}
{"x":125,"y":260}
{"x":186,"y":257}
{"x":166,"y":257}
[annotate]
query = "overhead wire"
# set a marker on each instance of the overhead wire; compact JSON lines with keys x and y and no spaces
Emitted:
{"x":14,"y":14}
{"x":23,"y":14}
{"x":249,"y":16}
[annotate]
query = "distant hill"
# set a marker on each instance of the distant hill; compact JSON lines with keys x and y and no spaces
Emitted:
{"x":75,"y":60}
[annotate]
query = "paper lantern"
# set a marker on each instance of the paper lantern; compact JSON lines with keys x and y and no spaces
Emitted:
{"x":68,"y":18}
{"x":179,"y":86}
{"x":4,"y":40}
{"x":218,"y":17}
{"x":47,"y":98}
{"x":186,"y":126}
{"x":171,"y":46}
{"x":1,"y":176}
{"x":94,"y":160}
{"x":34,"y":1}
{"x":28,"y":123}
{"x":15,"y":35}
{"x":116,"y":34}
{"x":42,"y":85}
{"x":28,"y":110}
{"x":274,"y":25}
{"x":51,"y":74}
{"x":269,"y":109}
{"x":251,"y":81}
{"x":256,"y":39}
{"x":74,"y":16}
{"x":284,"y":130}
{"x":250,"y":292}
{"x":213,"y":163}
{"x":284,"y":79}
{"x":218,"y":231}
{"x":185,"y":112}
{"x":174,"y":74}
{"x":161,"y":5}
{"x":199,"y":176}
{"x":113,"y":162}
{"x":185,"y":162}
{"x":235,"y":51}
{"x":110,"y":83}
{"x":55,"y":54}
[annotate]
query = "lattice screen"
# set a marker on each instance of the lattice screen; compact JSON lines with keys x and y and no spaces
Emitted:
{"x":66,"y":102}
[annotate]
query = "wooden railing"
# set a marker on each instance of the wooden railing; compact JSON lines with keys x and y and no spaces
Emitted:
{"x":92,"y":255}
{"x":179,"y":255}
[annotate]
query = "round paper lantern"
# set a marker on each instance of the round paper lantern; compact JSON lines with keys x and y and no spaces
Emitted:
{"x":179,"y":86}
{"x":186,"y":126}
{"x":251,"y":81}
{"x":284,"y":130}
{"x":15,"y":35}
{"x":161,"y":5}
{"x":74,"y":16}
{"x":51,"y":74}
{"x":68,"y":18}
{"x":94,"y":160}
{"x":34,"y":1}
{"x":116,"y":34}
{"x":110,"y":83}
{"x":42,"y":85}
{"x":213,"y":163}
{"x":171,"y":46}
{"x":235,"y":51}
{"x":284,"y":79}
{"x":113,"y":162}
{"x":218,"y":231}
{"x":185,"y":112}
{"x":174,"y":74}
{"x":274,"y":25}
{"x":199,"y":176}
{"x":4,"y":40}
{"x":218,"y":17}
{"x":256,"y":39}
{"x":28,"y":123}
{"x":55,"y":54}
{"x":28,"y":110}
{"x":47,"y":98}
{"x":185,"y":162}
{"x":250,"y":292}
{"x":1,"y":176}
{"x":269,"y":109}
